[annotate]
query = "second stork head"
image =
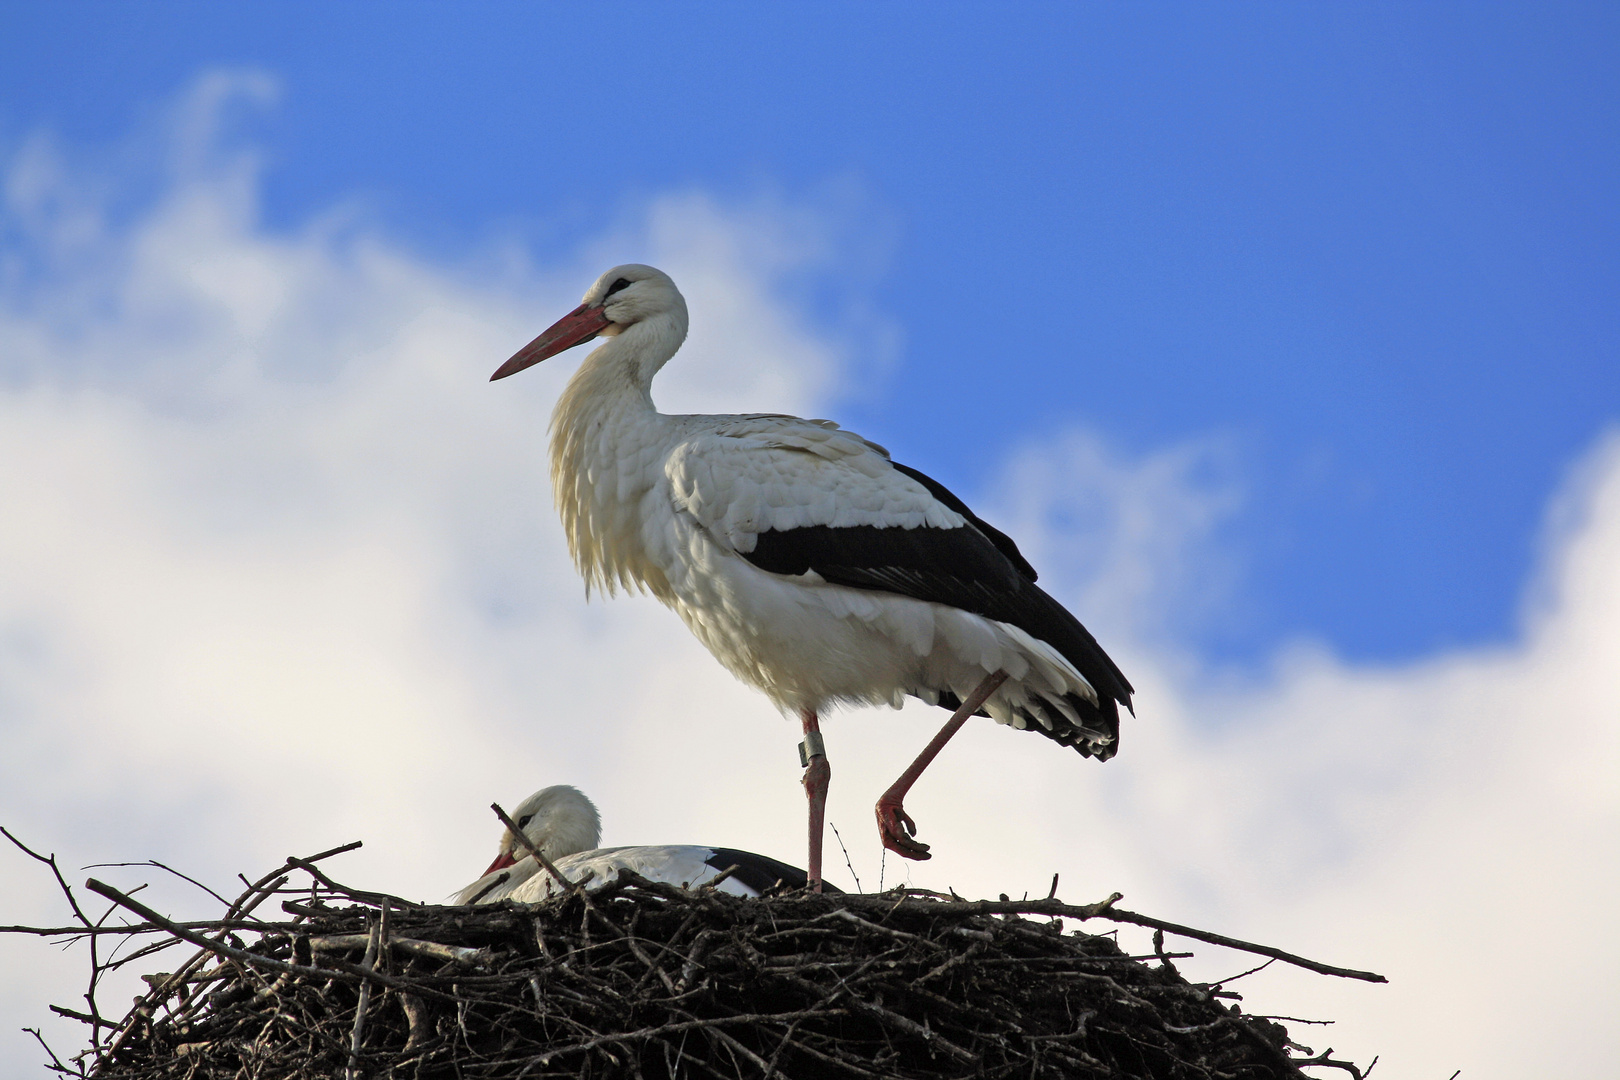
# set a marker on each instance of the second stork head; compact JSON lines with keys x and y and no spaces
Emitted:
{"x":559,"y":820}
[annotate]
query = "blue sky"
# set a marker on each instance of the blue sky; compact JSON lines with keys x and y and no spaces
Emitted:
{"x":1370,"y":250}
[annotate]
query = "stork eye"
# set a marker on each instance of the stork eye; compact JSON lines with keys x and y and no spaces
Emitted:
{"x":523,"y":822}
{"x":622,"y":283}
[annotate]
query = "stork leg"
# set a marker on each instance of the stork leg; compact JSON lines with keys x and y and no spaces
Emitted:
{"x":895,"y":827}
{"x":817,"y":774}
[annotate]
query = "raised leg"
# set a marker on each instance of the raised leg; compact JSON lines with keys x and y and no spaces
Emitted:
{"x":895,"y":827}
{"x":817,"y":774}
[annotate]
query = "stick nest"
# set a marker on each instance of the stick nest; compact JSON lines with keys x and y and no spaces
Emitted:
{"x":643,"y":979}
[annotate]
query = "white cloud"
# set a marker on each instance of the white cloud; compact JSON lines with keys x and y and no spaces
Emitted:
{"x":278,"y":569}
{"x":1127,"y":541}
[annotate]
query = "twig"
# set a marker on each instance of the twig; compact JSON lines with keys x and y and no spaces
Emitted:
{"x":49,"y":860}
{"x":73,"y":1014}
{"x":1291,"y":1019}
{"x":1243,"y":974}
{"x":523,"y":838}
{"x":847,"y":863}
{"x":714,"y":883}
{"x":309,"y":868}
{"x":1106,"y":910}
{"x":1117,"y":915}
{"x":166,"y":869}
{"x":1326,"y":1062}
{"x":321,"y":856}
{"x":56,"y":1062}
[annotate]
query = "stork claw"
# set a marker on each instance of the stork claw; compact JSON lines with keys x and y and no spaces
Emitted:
{"x":896,"y":830}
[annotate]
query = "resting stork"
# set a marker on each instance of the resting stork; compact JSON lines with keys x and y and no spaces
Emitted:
{"x":812,"y":566}
{"x":565,"y":826}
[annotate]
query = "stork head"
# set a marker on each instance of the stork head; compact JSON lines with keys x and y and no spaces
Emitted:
{"x":624,"y":297}
{"x":559,"y":820}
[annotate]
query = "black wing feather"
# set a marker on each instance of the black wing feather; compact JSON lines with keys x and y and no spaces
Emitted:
{"x":975,"y":568}
{"x":1001,"y":540}
{"x":760,"y":872}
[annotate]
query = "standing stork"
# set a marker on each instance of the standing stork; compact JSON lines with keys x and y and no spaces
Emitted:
{"x":812,"y":566}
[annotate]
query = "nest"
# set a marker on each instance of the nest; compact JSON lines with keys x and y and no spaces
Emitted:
{"x":644,"y":979}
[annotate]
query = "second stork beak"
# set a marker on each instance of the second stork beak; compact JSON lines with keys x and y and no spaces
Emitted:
{"x":502,"y":861}
{"x":574,"y":328}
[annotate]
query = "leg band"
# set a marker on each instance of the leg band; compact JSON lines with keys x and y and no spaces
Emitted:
{"x":812,"y":746}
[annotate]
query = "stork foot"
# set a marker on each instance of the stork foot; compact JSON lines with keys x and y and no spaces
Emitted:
{"x":897,"y":831}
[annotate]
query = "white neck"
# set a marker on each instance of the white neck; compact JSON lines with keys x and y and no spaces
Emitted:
{"x":603,"y":422}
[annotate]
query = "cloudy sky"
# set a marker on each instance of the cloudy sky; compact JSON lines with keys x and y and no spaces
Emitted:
{"x":1283,"y":341}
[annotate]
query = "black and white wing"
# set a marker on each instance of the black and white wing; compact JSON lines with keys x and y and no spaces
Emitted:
{"x":795,"y":497}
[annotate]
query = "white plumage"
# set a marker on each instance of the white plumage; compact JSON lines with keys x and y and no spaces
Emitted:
{"x":566,"y":827}
{"x":812,"y":566}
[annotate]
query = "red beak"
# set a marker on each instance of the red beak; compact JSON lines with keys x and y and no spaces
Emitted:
{"x":574,"y":328}
{"x":502,"y":861}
